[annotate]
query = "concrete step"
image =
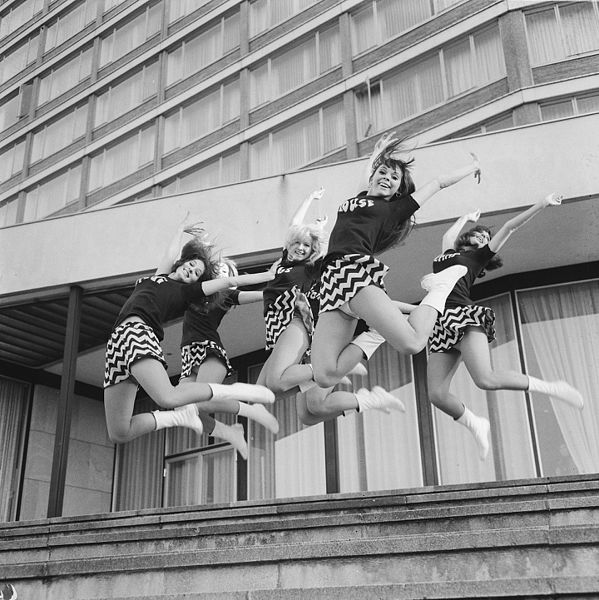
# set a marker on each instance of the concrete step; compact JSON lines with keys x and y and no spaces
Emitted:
{"x":498,"y":537}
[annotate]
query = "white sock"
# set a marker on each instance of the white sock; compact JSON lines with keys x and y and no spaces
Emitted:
{"x":368,"y":341}
{"x":559,"y":390}
{"x":439,"y":286}
{"x":184,"y":416}
{"x":378,"y":399}
{"x":479,"y":427}
{"x":258,"y":413}
{"x":242,"y":391}
{"x":233,"y":434}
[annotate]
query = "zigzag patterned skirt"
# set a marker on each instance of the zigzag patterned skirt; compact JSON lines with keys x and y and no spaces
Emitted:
{"x":344,"y":277}
{"x":451,"y":325}
{"x":128,"y":343}
{"x":280,"y":313}
{"x":196,"y":353}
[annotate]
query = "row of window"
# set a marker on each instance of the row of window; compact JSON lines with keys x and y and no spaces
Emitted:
{"x":470,"y":62}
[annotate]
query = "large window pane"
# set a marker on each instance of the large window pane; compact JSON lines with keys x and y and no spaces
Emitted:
{"x":290,"y":464}
{"x":489,"y":59}
{"x":11,"y":160}
{"x":511,"y":454}
{"x":580,"y":21}
{"x":18,"y":58}
{"x":8,"y":212}
{"x":458,"y":67}
{"x":544,"y":37}
{"x":13,"y":418}
{"x":68,"y":24}
{"x":18,"y":14}
{"x":122,"y":159}
{"x":363,"y":29}
{"x":54,"y":194}
{"x":556,"y":110}
{"x":9,"y":110}
{"x":126,"y":95}
{"x":395,"y":17}
{"x":59,"y":134}
{"x":560,"y":329}
{"x":64,"y":77}
{"x":380,"y":451}
{"x":125,"y":37}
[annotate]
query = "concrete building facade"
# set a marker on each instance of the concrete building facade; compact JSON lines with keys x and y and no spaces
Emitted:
{"x":117,"y":118}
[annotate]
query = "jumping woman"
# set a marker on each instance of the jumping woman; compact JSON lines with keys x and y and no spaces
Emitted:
{"x":134,"y":356}
{"x":463,"y":332}
{"x":352,"y":278}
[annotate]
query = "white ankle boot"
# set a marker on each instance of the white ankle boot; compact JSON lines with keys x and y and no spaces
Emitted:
{"x":233,"y":434}
{"x":561,"y":390}
{"x":378,"y":399}
{"x":439,"y":286}
{"x":479,"y":427}
{"x":245,"y":392}
{"x":183,"y":416}
{"x":258,"y":413}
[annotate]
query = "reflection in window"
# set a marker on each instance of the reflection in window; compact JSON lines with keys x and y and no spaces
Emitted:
{"x":299,"y":144}
{"x":62,"y":78}
{"x":471,"y":62}
{"x":58,"y":134}
{"x":295,"y":67}
{"x":127,"y":94}
{"x":265,"y":14}
{"x":8,"y":212}
{"x":70,"y":23}
{"x":19,"y":57}
{"x":562,"y":31}
{"x":209,"y":46}
{"x":560,"y":329}
{"x":53,"y":194}
{"x":225,"y":169}
{"x":11,"y":160}
{"x":18,"y":14}
{"x":123,"y":158}
{"x":511,"y":454}
{"x":371,"y":442}
{"x":207,"y":113}
{"x":125,"y":37}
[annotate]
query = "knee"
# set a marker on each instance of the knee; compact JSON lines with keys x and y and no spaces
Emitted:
{"x":436,"y":396}
{"x":486,"y":381}
{"x":413,"y":346}
{"x":274,"y":384}
{"x":119,"y":435}
{"x":325,"y":378}
{"x":306,"y":417}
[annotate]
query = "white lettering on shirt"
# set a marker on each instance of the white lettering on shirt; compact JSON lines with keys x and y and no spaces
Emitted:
{"x":354,"y":203}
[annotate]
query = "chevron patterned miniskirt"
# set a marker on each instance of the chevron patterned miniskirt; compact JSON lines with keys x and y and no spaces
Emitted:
{"x":195,"y":354}
{"x":450,"y":326}
{"x":344,"y":277}
{"x":129,"y":343}
{"x":290,"y":303}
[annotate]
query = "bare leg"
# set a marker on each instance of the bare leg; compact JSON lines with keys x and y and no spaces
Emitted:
{"x":475,"y":354}
{"x":282,"y":371}
{"x":440,"y":371}
{"x":122,"y":425}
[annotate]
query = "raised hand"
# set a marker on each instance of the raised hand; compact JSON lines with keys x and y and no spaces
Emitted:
{"x":473,"y":216}
{"x":476,"y":164}
{"x":317,"y":194}
{"x":553,"y":199}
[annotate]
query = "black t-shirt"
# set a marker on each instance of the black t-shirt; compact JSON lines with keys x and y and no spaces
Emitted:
{"x":289,"y":274}
{"x":159,"y":299}
{"x":364,"y":223}
{"x":202,"y":319}
{"x":473,"y":260}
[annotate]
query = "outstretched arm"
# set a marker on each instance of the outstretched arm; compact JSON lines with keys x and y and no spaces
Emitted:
{"x":451,"y":235}
{"x":250,"y":297}
{"x":300,"y":213}
{"x":428,"y":190}
{"x":223,"y":283}
{"x":501,"y":237}
{"x":172,"y":252}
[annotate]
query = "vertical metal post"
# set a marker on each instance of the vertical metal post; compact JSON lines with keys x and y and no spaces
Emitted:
{"x":65,"y":404}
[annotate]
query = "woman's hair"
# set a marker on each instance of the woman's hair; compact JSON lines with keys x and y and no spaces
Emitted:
{"x":463,"y":243}
{"x":388,"y":157}
{"x":317,"y":235}
{"x":198,"y":249}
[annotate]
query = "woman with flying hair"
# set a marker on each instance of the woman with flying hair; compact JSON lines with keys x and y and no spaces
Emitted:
{"x":465,"y":330}
{"x":352,"y":287}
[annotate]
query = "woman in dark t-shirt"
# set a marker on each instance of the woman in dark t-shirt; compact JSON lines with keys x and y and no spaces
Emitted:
{"x":352,"y":277}
{"x":134,"y":355}
{"x":464,"y":330}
